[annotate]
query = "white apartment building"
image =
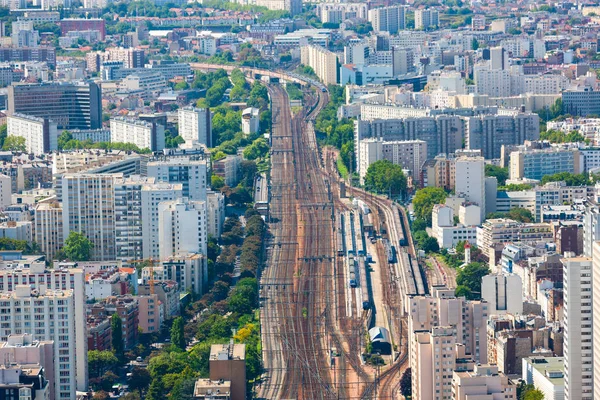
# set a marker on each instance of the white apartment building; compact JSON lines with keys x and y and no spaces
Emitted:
{"x":410,"y":154}
{"x":40,"y":134}
{"x":188,"y":270}
{"x":388,"y":19}
{"x":143,"y":134}
{"x":191,"y":172}
{"x":17,"y":230}
{"x":195,"y":125}
{"x":215,"y":213}
{"x":48,"y":230}
{"x":250,"y":120}
{"x":322,"y":61}
{"x":471,"y":184}
{"x":5,"y":191}
{"x":595,"y":314}
{"x":95,"y":135}
{"x":128,"y":216}
{"x":151,"y":196}
{"x":484,"y":382}
{"x":547,"y":375}
{"x":493,"y":82}
{"x":182,"y":227}
{"x":498,"y":231}
{"x":446,"y":233}
{"x":426,"y":18}
{"x":578,"y":338}
{"x":144,"y":83}
{"x":47,"y":315}
{"x":432,"y":363}
{"x":338,"y":12}
{"x":207,"y":45}
{"x":89,"y":208}
{"x":503,"y":293}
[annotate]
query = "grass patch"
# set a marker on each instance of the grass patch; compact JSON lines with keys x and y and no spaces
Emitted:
{"x":342,"y":168}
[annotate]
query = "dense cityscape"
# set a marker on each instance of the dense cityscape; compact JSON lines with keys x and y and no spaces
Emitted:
{"x":288,"y":199}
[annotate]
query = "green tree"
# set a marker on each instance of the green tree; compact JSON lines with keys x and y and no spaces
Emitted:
{"x":116,"y":326}
{"x":470,"y":277}
{"x":534,"y":394}
{"x":406,"y":383}
{"x":15,"y":143}
{"x":430,"y":245}
{"x":463,"y":291}
{"x":77,"y":247}
{"x":100,"y":361}
{"x":258,"y":149}
{"x":424,"y":201}
{"x":182,"y":85}
{"x":140,"y":379}
{"x":216,"y":182}
{"x":177,"y":334}
{"x":64,"y":138}
{"x":3,"y":134}
{"x":385,"y":177}
{"x":500,"y":173}
{"x":569,"y":178}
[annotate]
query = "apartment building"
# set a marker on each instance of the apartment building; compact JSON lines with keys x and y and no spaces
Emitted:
{"x":495,"y":232}
{"x":338,"y":12}
{"x":503,"y":293}
{"x":40,"y":134}
{"x":228,"y":168}
{"x":215,"y":213}
{"x":35,"y":54}
{"x":89,"y":208}
{"x":490,"y":132}
{"x":578,"y":336}
{"x":581,"y":102}
{"x":83,"y":24}
{"x":536,"y":163}
{"x":410,"y":154}
{"x":48,"y":231}
{"x":170,"y":69}
{"x":250,"y":120}
{"x":595,"y":312}
{"x":70,"y":105}
{"x":128,"y":216}
{"x":52,"y":315}
{"x":152,"y":194}
{"x":439,"y":172}
{"x":443,"y":133}
{"x":322,"y":61}
{"x":426,"y":18}
{"x":388,"y":19}
{"x":145,"y":135}
{"x":485,"y":381}
{"x":188,"y":270}
{"x":466,"y":319}
{"x":190,"y":171}
{"x":195,"y":125}
{"x":471,"y":186}
{"x":182,"y":227}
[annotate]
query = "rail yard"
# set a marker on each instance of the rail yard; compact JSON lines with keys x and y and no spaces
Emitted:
{"x":335,"y":268}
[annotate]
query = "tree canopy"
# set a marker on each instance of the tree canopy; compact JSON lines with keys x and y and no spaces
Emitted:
{"x":569,"y":178}
{"x":77,"y":247}
{"x":15,"y":143}
{"x":424,"y":201}
{"x":385,"y":177}
{"x":516,"y":213}
{"x":468,"y":279}
{"x":500,"y":173}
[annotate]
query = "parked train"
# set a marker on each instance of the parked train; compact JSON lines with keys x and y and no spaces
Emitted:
{"x":362,"y":270}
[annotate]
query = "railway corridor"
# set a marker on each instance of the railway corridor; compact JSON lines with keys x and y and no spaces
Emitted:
{"x":295,"y":285}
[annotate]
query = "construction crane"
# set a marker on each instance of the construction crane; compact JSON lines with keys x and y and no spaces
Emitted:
{"x":150,"y":262}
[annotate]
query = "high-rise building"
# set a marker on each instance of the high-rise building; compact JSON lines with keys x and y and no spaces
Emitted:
{"x":24,"y":35}
{"x":190,"y":171}
{"x":471,"y":185}
{"x":388,"y":19}
{"x":152,"y":195}
{"x":195,"y":125}
{"x":215,"y":213}
{"x":145,"y":135}
{"x":410,"y":154}
{"x":128,"y":217}
{"x":426,"y":18}
{"x":182,"y":227}
{"x":535,"y":164}
{"x":322,"y":61}
{"x":595,"y":314}
{"x":489,"y":133}
{"x":578,"y":338}
{"x":89,"y":208}
{"x":83,"y":24}
{"x":498,"y":58}
{"x":48,"y":229}
{"x":503,"y":293}
{"x":40,"y":134}
{"x":69,"y":105}
{"x":5,"y":191}
{"x":38,"y":54}
{"x":52,"y":315}
{"x":339,"y":12}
